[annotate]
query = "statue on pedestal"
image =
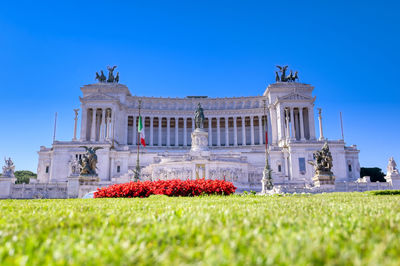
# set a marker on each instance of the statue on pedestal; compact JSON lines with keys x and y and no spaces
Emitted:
{"x":392,"y":167}
{"x":8,"y":169}
{"x":323,"y":165}
{"x":199,"y":135}
{"x":266,"y":180}
{"x":323,"y":160}
{"x":199,"y":117}
{"x":393,"y":175}
{"x":88,"y":161}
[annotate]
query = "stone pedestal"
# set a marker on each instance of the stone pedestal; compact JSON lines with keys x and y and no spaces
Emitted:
{"x":393,"y":179}
{"x":323,"y":179}
{"x":199,"y":140}
{"x":6,"y":187}
{"x":78,"y":186}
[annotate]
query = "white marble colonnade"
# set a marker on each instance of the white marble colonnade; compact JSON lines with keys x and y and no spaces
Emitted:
{"x":299,"y":127}
{"x":224,"y":132}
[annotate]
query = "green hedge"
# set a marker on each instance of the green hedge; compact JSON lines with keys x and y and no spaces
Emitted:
{"x":385,"y":192}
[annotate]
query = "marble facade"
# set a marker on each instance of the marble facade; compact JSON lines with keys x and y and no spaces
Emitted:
{"x":235,"y":138}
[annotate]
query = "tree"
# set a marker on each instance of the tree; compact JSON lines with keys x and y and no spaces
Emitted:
{"x":375,"y":173}
{"x":23,"y":176}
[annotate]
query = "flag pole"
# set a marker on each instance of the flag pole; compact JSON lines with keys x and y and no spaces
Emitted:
{"x":137,"y":171}
{"x":266,"y":179}
{"x":341,"y":125}
{"x":55,"y":127}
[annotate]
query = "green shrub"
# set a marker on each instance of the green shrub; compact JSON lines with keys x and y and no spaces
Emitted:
{"x":384,"y":192}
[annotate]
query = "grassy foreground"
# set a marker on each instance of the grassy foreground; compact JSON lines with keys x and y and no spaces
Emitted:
{"x":339,"y":228}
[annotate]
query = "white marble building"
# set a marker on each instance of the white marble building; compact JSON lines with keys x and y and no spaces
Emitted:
{"x":109,"y":115}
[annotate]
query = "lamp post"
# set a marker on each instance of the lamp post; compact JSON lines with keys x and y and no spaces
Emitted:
{"x":266,"y":179}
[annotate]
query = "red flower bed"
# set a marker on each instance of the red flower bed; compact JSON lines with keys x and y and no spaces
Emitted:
{"x":173,"y":188}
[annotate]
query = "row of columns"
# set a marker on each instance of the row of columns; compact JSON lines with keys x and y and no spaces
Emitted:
{"x":219,"y":128}
{"x":97,"y":124}
{"x":295,"y":125}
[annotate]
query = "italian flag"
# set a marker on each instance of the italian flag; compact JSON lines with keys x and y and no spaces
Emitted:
{"x":141,"y":131}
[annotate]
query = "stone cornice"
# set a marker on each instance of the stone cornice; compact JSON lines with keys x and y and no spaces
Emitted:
{"x":288,"y":86}
{"x":295,"y":97}
{"x":98,"y":97}
{"x":190,"y":113}
{"x":109,"y":88}
{"x":182,"y":104}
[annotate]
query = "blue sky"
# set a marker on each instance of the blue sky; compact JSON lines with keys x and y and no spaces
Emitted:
{"x":350,"y":52}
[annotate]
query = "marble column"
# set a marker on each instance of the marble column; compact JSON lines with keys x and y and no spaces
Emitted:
{"x":321,"y":133}
{"x":83,"y":123}
{"x":274,"y":124}
{"x":218,"y":132}
{"x":176,"y":131}
{"x":185,"y":131}
{"x":168,"y":131}
{"x":301,"y":124}
{"x":244,"y":131}
{"x":103,"y":125}
{"x":252,"y":130}
{"x":287,"y":114}
{"x":113,"y":119}
{"x":226,"y":131}
{"x":283,"y":122}
{"x":292,"y":123}
{"x":269,"y":128}
{"x":159,"y":131}
{"x":311,"y":122}
{"x":108,"y":125}
{"x":75,"y":123}
{"x":209,"y":131}
{"x":260,"y":130}
{"x":134,"y":131}
{"x":126,"y":130}
{"x":235,"y":140}
{"x":93,"y":131}
{"x":151,"y":130}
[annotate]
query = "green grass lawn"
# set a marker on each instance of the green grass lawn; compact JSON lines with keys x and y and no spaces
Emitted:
{"x":333,"y":229}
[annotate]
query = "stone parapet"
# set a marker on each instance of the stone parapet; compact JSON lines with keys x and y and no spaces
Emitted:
{"x":6,"y":187}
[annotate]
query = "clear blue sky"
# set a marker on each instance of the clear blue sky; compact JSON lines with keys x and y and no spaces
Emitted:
{"x":348,"y":51}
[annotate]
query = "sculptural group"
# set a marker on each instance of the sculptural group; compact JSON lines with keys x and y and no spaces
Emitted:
{"x":392,"y":167}
{"x":88,"y":161}
{"x":111,"y":78}
{"x":8,"y":168}
{"x":283,"y":78}
{"x":323,"y":160}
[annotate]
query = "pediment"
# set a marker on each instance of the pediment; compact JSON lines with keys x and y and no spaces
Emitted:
{"x":98,"y":97}
{"x":295,"y":96}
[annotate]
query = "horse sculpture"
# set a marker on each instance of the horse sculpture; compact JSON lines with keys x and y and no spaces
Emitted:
{"x":101,"y":77}
{"x":283,"y":78}
{"x":110,"y":73}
